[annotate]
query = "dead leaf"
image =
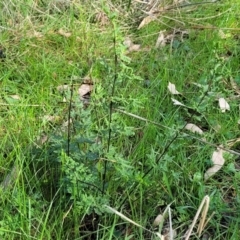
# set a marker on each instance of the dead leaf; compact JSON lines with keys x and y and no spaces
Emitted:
{"x":158,"y":220}
{"x":223,"y":35}
{"x":37,"y":34}
{"x":169,"y":37}
{"x":177,"y":103}
{"x":41,"y":139}
{"x":130,"y":45}
{"x":194,"y":128}
{"x":51,"y":118}
{"x":102,"y":19}
{"x":32,"y":34}
{"x":223,"y":105}
{"x":161,"y":41}
{"x":147,"y":20}
{"x":88,"y":80}
{"x":134,"y":48}
{"x":218,"y":161}
{"x":167,"y":236}
{"x":62,"y":88}
{"x":64,"y":33}
{"x":172,"y":89}
{"x":128,"y":42}
{"x":84,"y":89}
{"x":15,"y":97}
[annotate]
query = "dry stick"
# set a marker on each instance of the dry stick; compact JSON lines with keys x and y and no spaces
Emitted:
{"x":161,"y":125}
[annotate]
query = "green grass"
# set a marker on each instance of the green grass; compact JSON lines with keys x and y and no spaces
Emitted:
{"x":148,"y":166}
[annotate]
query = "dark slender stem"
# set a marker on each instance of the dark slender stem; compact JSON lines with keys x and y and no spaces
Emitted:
{"x":111,"y":106}
{"x":69,"y":121}
{"x":91,"y":185}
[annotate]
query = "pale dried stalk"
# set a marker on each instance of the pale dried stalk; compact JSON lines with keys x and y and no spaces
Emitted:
{"x":204,"y":205}
{"x":113,"y":210}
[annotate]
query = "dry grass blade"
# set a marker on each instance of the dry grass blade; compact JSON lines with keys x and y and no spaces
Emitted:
{"x":203,"y":216}
{"x":66,"y":214}
{"x":204,"y":205}
{"x":161,"y":40}
{"x":147,"y":20}
{"x":124,"y":217}
{"x":232,"y":142}
{"x":130,"y":220}
{"x":170,"y":224}
{"x":159,"y":220}
{"x":177,"y":103}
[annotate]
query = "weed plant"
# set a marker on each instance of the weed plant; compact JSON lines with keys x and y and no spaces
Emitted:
{"x":64,"y":160}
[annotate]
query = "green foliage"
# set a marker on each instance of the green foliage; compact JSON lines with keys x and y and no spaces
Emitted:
{"x":106,"y":150}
